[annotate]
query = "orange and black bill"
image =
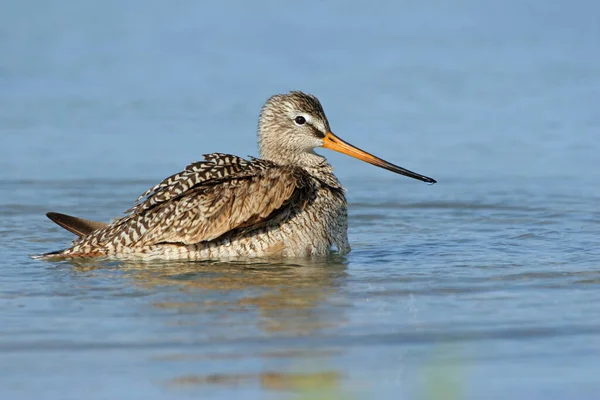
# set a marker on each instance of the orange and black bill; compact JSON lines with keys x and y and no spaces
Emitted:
{"x":332,"y":142}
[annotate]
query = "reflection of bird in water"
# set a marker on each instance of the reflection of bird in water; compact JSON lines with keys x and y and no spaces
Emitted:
{"x":213,"y":312}
{"x":278,"y":296}
{"x":288,"y":203}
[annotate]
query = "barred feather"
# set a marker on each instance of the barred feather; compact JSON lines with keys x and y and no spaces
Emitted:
{"x":207,"y":200}
{"x":215,"y":166}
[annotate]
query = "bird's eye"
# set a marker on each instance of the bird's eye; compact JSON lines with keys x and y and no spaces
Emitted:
{"x":300,"y":120}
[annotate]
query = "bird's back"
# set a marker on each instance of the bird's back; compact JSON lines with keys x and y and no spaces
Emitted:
{"x":223,"y":200}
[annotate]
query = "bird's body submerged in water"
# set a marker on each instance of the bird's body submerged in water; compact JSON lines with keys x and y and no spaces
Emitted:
{"x":287,"y":203}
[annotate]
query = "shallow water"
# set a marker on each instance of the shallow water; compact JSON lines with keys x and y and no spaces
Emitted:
{"x":485,"y":285}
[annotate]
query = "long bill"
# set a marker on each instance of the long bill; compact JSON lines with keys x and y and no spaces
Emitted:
{"x":332,"y":142}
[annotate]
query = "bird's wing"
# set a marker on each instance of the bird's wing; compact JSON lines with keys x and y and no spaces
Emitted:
{"x":209,"y":199}
{"x":214,"y":167}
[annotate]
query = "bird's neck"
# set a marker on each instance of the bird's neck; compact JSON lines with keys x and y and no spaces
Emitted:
{"x":324,"y":173}
{"x":316,"y":165}
{"x":305,"y":159}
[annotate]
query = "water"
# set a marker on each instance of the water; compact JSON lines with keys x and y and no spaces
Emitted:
{"x":485,"y":285}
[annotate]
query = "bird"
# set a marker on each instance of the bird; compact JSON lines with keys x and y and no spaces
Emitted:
{"x":286,"y":203}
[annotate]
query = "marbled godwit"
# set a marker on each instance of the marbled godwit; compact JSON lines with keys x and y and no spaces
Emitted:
{"x":287,"y":203}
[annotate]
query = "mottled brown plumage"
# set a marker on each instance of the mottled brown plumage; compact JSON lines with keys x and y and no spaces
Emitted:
{"x":288,"y":203}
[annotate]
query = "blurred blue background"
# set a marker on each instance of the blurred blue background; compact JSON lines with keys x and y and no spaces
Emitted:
{"x":456,"y":90}
{"x":482,"y":286}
